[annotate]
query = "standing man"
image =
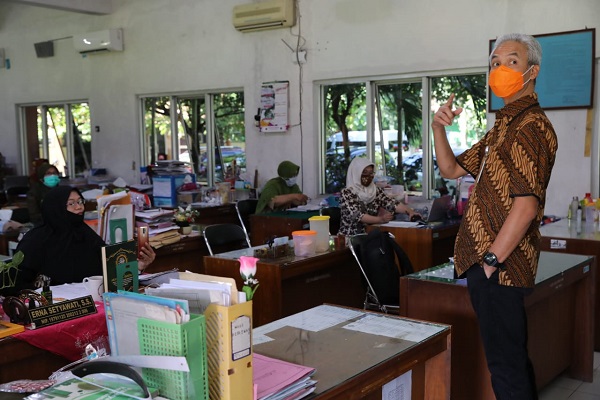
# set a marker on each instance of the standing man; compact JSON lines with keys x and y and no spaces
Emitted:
{"x":497,"y":246}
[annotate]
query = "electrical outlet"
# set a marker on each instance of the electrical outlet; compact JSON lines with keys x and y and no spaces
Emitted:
{"x":301,"y":56}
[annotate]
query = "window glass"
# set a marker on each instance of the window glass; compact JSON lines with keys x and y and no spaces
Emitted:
{"x":396,"y":143}
{"x":204,"y":121}
{"x":345,"y":131}
{"x":60,"y":134}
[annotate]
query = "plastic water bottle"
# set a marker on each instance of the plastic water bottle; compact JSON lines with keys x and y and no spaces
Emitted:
{"x":574,"y":207}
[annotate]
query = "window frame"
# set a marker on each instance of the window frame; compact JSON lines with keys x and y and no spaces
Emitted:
{"x":21,"y":109}
{"x":211,"y":129}
{"x":371,"y":83}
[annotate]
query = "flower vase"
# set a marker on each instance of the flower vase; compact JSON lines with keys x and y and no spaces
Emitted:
{"x":184,"y":227}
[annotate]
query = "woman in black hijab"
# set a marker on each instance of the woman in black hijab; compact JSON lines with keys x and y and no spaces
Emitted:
{"x":64,"y":248}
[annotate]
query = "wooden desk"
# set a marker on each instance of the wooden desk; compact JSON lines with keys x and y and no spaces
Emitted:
{"x":566,"y":236}
{"x":559,"y":312}
{"x":292,"y":284}
{"x":265,"y":226}
{"x":354,"y":362}
{"x":425,"y":246}
{"x":187,"y":254}
{"x":20,"y":360}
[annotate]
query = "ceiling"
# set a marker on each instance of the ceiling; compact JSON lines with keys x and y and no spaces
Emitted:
{"x":98,"y":7}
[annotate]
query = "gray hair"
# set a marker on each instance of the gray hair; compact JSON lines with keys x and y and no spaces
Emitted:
{"x":534,"y":50}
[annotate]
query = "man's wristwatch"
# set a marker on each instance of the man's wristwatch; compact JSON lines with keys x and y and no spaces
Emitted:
{"x":490,"y":259}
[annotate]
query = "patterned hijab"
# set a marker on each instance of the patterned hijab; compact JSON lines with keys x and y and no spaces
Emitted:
{"x":366,"y":194}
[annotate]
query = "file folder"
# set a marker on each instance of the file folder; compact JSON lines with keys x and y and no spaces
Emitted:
{"x":229,"y":351}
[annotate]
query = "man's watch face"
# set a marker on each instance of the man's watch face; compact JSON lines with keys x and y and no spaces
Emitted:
{"x":490,"y":259}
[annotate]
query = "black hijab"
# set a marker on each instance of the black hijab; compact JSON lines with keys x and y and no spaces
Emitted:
{"x":63,"y":248}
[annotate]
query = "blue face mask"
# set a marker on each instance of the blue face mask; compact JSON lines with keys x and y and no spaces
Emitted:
{"x":290,"y":181}
{"x":51,"y":180}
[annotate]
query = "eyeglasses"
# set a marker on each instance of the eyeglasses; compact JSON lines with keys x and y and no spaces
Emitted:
{"x":73,"y":203}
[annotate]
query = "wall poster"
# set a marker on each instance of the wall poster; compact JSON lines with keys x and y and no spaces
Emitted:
{"x":274,"y":102}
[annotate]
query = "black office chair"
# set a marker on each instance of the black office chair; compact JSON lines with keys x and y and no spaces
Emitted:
{"x":335,"y":217}
{"x":381,"y":261}
{"x":221,"y":238}
{"x":16,"y":188}
{"x":244,"y":209}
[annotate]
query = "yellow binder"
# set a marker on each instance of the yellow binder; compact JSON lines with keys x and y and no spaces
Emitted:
{"x":229,"y":351}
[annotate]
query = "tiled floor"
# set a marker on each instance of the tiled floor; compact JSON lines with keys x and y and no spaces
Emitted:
{"x":563,"y":387}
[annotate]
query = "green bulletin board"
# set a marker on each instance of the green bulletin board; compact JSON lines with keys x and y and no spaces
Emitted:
{"x":566,"y":78}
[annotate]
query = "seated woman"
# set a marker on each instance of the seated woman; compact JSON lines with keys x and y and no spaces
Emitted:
{"x":64,"y":248}
{"x":362,"y":203}
{"x":282,"y":192}
{"x":47,"y":178}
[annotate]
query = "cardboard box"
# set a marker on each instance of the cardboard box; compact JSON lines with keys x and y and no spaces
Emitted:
{"x":164,"y":188}
{"x":189,"y":197}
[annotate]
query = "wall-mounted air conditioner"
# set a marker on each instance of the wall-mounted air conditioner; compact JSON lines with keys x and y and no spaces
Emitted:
{"x":94,"y":42}
{"x":264,"y":15}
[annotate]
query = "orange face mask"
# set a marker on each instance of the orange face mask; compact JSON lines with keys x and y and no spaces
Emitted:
{"x":505,"y":82}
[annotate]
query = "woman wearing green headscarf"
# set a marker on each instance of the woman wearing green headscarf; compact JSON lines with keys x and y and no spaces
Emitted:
{"x":282,"y":192}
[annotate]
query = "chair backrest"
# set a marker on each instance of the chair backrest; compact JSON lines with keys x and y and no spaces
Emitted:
{"x":16,"y":188}
{"x":224,"y":237}
{"x":244,"y":209}
{"x":382,"y":262}
{"x":335,"y":218}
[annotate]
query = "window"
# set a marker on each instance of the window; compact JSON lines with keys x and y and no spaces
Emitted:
{"x":206,"y":130}
{"x":59,"y":133}
{"x":383,"y":120}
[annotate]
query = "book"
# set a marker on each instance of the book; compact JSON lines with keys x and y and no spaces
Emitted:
{"x":8,"y":329}
{"x":120,"y":267}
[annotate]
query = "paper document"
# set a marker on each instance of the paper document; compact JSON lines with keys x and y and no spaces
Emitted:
{"x":273,"y":377}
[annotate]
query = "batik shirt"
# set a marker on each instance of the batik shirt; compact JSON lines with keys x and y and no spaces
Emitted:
{"x":353,"y":209}
{"x":514,"y":159}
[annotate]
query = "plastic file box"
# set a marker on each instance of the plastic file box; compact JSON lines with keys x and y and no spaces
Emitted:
{"x":167,"y":339}
{"x":229,"y":347}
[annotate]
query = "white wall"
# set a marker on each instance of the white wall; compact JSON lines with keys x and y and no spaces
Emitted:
{"x":190,"y":45}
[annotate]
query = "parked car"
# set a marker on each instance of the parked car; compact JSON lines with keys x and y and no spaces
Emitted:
{"x":413,"y":173}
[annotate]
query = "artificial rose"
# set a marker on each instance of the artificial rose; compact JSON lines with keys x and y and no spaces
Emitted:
{"x":247,"y":271}
{"x":248,"y":267}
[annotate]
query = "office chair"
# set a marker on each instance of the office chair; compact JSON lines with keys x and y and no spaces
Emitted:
{"x":335,"y":218}
{"x":244,"y":209}
{"x":377,"y":255}
{"x":16,"y":188}
{"x":225,"y":237}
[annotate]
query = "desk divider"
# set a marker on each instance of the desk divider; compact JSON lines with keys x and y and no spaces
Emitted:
{"x":229,"y":348}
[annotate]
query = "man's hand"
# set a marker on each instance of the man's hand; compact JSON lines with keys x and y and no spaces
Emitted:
{"x":445,"y":114}
{"x":488,"y":270}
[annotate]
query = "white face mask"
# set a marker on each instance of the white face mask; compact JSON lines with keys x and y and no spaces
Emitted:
{"x":290,"y":181}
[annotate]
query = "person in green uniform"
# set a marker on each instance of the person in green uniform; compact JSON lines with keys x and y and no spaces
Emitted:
{"x":282,"y":192}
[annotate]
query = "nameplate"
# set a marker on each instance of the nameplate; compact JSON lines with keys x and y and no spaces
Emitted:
{"x":61,"y":312}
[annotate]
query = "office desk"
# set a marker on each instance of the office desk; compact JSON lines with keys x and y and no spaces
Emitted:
{"x":566,"y":236}
{"x":559,"y":312}
{"x":21,"y":360}
{"x":292,"y":284}
{"x":187,"y":254}
{"x":356,"y":352}
{"x":281,"y":223}
{"x":425,"y":246}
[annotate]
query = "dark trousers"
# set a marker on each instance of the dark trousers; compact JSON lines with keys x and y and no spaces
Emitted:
{"x":503,"y":328}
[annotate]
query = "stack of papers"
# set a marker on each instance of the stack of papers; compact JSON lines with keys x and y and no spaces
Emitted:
{"x":157,"y":219}
{"x":199,"y":295}
{"x":280,"y":380}
{"x":125,"y":308}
